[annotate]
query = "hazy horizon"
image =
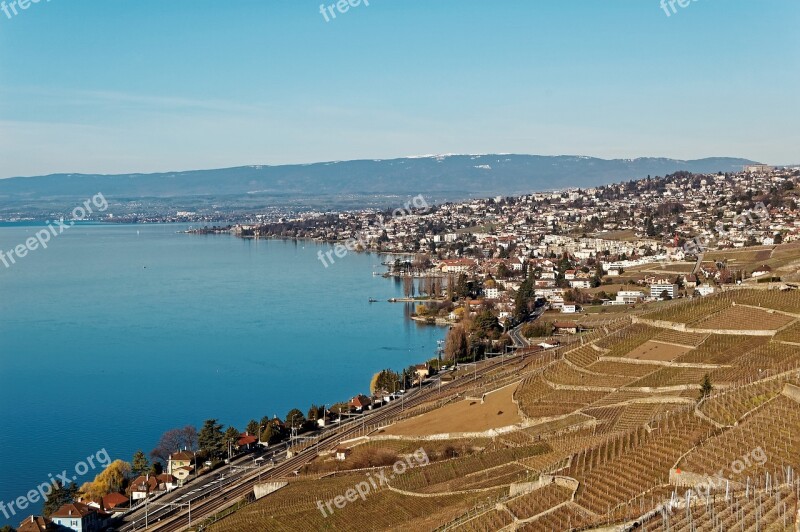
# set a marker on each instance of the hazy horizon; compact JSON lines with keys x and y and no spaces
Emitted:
{"x":274,"y":83}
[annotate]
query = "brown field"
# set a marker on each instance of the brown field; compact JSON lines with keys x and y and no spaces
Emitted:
{"x":668,"y":336}
{"x":744,"y":319}
{"x":497,"y":411}
{"x":741,"y":256}
{"x":657,"y":351}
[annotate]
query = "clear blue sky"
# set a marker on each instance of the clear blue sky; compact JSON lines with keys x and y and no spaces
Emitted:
{"x":151,"y":85}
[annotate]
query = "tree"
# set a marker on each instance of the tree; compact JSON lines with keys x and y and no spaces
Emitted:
{"x":189,"y":438}
{"x":140,"y":465}
{"x":462,"y":288}
{"x":269,"y":434}
{"x":487,"y":324}
{"x":109,"y":480}
{"x":706,"y":387}
{"x":252,"y":427}
{"x":408,"y":286}
{"x":295,"y":418}
{"x":315,"y":412}
{"x":456,"y":345}
{"x":231,"y":436}
{"x":384,"y":381}
{"x":175,"y":440}
{"x":8,"y":528}
{"x":60,"y":496}
{"x":210,"y":439}
{"x":502,"y":271}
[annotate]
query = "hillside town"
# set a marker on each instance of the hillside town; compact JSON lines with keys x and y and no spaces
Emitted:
{"x":654,"y":238}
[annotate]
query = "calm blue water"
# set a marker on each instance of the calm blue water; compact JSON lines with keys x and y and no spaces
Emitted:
{"x":115,"y":334}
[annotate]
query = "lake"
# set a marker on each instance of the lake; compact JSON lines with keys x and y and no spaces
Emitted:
{"x":116,"y":333}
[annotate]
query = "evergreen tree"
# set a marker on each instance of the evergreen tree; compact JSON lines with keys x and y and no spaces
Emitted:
{"x":140,"y":465}
{"x":210,"y":438}
{"x":230,"y":437}
{"x":57,"y":498}
{"x":295,"y":418}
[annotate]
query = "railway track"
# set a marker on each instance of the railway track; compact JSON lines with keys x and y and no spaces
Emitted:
{"x":178,"y":519}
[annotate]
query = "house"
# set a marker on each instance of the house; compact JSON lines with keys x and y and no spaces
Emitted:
{"x":629,"y":297}
{"x":422,"y":371}
{"x":36,"y":523}
{"x":762,"y":270}
{"x":580,"y":283}
{"x":144,"y":486}
{"x":115,"y":502}
{"x":569,"y":308}
{"x":565,"y":327}
{"x":79,"y":517}
{"x":360,"y":402}
{"x":705,"y":290}
{"x":569,"y":275}
{"x":246,"y":441}
{"x":456,"y":265}
{"x":342,"y":453}
{"x":180,"y":465}
{"x":167,"y":482}
{"x":491,"y":293}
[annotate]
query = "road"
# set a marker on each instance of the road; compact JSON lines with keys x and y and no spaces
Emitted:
{"x":210,"y":495}
{"x":516,"y":333}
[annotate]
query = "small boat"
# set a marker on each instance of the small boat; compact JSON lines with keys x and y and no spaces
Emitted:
{"x":372,"y":300}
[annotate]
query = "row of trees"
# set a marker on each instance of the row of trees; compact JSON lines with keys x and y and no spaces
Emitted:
{"x":472,"y":337}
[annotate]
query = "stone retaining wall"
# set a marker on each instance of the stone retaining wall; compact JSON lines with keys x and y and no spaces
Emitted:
{"x":262,"y":490}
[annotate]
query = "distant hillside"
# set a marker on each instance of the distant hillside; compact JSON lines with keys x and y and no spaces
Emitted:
{"x":446,"y":176}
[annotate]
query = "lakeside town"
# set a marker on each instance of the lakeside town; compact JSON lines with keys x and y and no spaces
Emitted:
{"x":676,"y":236}
{"x":532,"y":274}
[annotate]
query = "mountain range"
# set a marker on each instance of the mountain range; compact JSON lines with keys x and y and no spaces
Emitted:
{"x":451,"y":176}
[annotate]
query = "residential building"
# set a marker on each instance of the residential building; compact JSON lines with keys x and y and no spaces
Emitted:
{"x":37,"y":523}
{"x":629,"y":297}
{"x":79,"y":517}
{"x":657,"y":290}
{"x":180,"y":465}
{"x":360,"y":402}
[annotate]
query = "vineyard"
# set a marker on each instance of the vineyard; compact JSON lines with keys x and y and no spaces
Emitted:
{"x":743,"y":319}
{"x":632,"y":435}
{"x":626,"y":340}
{"x":789,"y":334}
{"x":538,"y":501}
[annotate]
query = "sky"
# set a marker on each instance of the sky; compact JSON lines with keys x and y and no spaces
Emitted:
{"x":118,"y":86}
